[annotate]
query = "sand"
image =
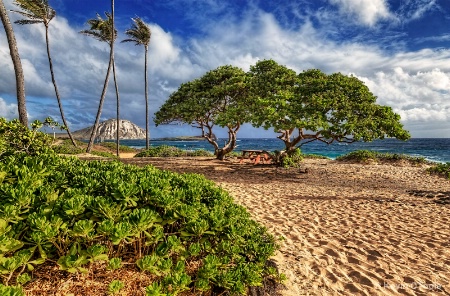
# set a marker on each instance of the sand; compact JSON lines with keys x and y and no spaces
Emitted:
{"x":347,"y":229}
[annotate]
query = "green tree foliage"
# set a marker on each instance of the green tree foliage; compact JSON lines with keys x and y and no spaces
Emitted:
{"x":316,"y":106}
{"x":217,"y":98}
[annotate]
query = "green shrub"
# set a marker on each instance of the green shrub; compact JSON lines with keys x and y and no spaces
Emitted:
{"x":75,"y":212}
{"x":115,"y":286}
{"x":103,"y":154}
{"x":170,"y":151}
{"x":11,"y":290}
{"x":314,"y":156}
{"x":17,"y":138}
{"x":67,"y":149}
{"x":113,"y":146}
{"x":292,"y":159}
{"x":442,"y":169}
{"x":367,"y":155}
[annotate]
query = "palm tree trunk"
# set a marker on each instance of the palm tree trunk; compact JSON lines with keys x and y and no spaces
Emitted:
{"x":100,"y":106}
{"x":115,"y":77}
{"x":118,"y":108}
{"x":58,"y":98}
{"x":14,"y":52}
{"x":147,"y":132}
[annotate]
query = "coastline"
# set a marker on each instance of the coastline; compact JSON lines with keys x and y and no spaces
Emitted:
{"x":347,"y":229}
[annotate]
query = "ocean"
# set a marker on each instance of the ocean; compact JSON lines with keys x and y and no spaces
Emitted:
{"x":437,"y":150}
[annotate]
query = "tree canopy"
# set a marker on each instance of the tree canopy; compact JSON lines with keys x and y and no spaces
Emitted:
{"x":320,"y":107}
{"x":216,"y":99}
{"x":302,"y":107}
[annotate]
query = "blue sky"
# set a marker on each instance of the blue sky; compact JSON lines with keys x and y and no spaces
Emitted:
{"x":400,"y":49}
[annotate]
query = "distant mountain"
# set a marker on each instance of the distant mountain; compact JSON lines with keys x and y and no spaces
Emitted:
{"x":107,"y":131}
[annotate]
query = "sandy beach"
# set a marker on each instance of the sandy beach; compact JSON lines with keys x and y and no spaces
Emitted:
{"x":346,"y":229}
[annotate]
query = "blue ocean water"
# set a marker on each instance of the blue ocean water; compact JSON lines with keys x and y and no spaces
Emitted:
{"x":437,"y":150}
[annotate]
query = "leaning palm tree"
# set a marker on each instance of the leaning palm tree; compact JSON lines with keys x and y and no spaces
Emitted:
{"x":102,"y":30}
{"x":140,"y":34}
{"x":14,"y":52}
{"x":38,"y":11}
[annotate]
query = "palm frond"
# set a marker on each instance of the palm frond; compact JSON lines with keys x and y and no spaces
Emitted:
{"x":139,"y":32}
{"x":27,"y":22}
{"x":100,"y":28}
{"x":37,"y":10}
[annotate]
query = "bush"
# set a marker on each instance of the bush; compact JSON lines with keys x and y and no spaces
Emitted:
{"x":367,"y":155}
{"x":17,"y":138}
{"x":75,"y":212}
{"x":314,"y":156}
{"x":170,"y":151}
{"x":113,"y":146}
{"x":442,"y":169}
{"x":292,"y":159}
{"x":103,"y":154}
{"x":67,"y":149}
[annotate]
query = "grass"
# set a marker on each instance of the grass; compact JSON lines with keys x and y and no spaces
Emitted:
{"x":364,"y":156}
{"x":104,"y":149}
{"x":170,"y":151}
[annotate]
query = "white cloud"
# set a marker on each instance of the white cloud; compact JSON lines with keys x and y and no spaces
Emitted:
{"x":8,"y":111}
{"x":368,"y":12}
{"x":415,"y":83}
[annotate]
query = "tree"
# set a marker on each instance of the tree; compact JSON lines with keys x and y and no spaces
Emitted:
{"x":101,"y":29}
{"x":140,"y":34}
{"x":38,"y":11}
{"x":320,"y":107}
{"x":14,"y":52}
{"x":217,"y":98}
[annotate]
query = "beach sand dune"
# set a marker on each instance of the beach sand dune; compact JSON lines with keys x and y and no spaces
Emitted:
{"x":346,"y":229}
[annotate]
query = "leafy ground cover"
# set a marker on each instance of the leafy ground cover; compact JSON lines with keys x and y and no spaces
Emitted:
{"x":77,"y":213}
{"x":170,"y":151}
{"x":374,"y":156}
{"x":442,"y":169}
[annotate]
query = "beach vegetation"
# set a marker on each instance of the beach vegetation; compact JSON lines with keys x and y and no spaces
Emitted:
{"x":16,"y":138}
{"x":171,"y":151}
{"x":75,"y":213}
{"x":17,"y":64}
{"x":113,"y":146}
{"x":218,"y":98}
{"x":364,"y":156}
{"x":291,"y":160}
{"x":442,"y":169}
{"x":314,"y":106}
{"x":40,"y":12}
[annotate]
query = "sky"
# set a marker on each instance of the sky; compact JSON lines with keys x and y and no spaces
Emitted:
{"x":399,"y":48}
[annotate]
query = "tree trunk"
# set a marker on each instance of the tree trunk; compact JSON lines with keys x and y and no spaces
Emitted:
{"x":100,"y":106}
{"x":58,"y":98}
{"x":115,"y":77}
{"x":118,"y":109}
{"x":14,"y":52}
{"x":231,"y":144}
{"x":147,"y":132}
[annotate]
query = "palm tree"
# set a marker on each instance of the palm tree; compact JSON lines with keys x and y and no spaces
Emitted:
{"x":115,"y":78}
{"x":101,"y":29}
{"x":140,"y":34}
{"x":14,"y":52}
{"x":38,"y":11}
